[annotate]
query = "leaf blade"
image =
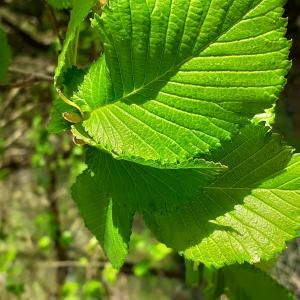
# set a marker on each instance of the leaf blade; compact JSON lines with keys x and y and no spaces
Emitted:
{"x":179,"y":93}
{"x":240,"y":217}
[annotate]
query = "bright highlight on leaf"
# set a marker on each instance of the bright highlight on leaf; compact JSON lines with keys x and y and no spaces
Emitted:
{"x":179,"y":77}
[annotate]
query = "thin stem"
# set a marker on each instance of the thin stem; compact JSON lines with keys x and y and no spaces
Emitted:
{"x":76,"y":47}
{"x":69,"y":102}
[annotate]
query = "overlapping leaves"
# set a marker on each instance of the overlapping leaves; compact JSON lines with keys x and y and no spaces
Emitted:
{"x":246,"y":214}
{"x":163,"y":109}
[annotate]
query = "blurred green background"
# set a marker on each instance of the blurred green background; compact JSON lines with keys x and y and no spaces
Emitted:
{"x":45,"y":250}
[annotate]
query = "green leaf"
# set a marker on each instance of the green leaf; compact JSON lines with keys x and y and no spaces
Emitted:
{"x":248,"y":283}
{"x":103,"y":217}
{"x":245,"y":215}
{"x":181,"y":76}
{"x":5,"y":55}
{"x":79,"y":12}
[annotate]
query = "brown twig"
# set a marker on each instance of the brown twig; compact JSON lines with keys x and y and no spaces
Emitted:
{"x":31,"y":79}
{"x":21,"y":83}
{"x":126,"y":269}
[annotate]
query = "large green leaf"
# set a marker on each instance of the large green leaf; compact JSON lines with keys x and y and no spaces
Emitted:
{"x":5,"y":55}
{"x":246,"y":214}
{"x":180,"y":76}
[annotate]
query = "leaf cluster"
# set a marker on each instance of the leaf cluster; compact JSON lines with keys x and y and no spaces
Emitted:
{"x":169,"y":112}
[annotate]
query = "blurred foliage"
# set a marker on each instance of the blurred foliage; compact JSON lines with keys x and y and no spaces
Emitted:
{"x":45,"y":251}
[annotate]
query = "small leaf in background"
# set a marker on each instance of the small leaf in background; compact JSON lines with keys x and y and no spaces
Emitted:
{"x":70,"y":289}
{"x":142,"y":268}
{"x":44,"y":243}
{"x":83,"y":261}
{"x":15,"y":288}
{"x":66,"y":238}
{"x":92,"y":245}
{"x":159,"y":252}
{"x":7,"y":258}
{"x":110,"y":274}
{"x":93,"y":289}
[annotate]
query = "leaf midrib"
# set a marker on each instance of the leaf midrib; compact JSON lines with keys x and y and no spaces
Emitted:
{"x":175,"y":67}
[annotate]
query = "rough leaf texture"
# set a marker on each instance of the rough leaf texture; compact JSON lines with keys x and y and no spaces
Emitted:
{"x":180,"y":76}
{"x":247,"y":213}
